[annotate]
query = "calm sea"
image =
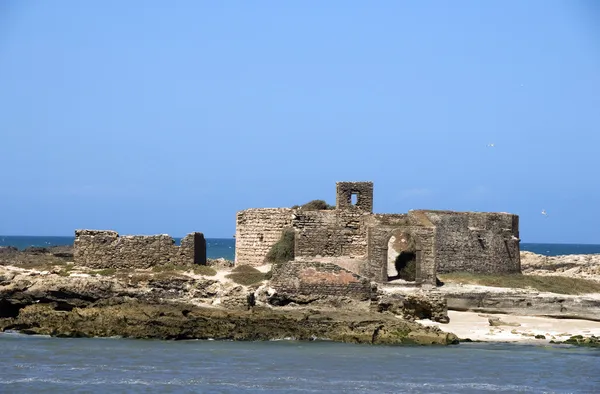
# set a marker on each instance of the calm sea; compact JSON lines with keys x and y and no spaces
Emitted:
{"x":60,"y":365}
{"x":225,"y":247}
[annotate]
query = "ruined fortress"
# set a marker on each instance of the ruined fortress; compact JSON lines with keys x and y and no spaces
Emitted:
{"x":335,"y":250}
{"x":372,"y":245}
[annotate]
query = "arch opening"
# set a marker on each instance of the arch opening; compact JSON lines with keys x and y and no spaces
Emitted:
{"x":402,"y":258}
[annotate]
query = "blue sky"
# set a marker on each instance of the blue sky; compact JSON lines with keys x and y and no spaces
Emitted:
{"x":168,"y":117}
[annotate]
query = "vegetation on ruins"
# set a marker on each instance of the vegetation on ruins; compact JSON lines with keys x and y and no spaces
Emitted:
{"x":406,"y":266}
{"x":553,"y":284}
{"x":282,"y":250}
{"x":314,"y":205}
{"x":246,"y":275}
{"x":204,"y":270}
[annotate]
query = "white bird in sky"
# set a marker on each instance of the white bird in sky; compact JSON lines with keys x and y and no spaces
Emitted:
{"x":491,"y":145}
{"x":544,"y":212}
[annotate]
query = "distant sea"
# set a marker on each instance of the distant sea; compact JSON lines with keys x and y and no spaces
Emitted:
{"x":225,"y":247}
{"x":215,"y":247}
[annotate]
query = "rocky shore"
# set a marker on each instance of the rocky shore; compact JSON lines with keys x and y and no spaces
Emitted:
{"x":41,"y":292}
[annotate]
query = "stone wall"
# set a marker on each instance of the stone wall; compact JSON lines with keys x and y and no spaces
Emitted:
{"x":319,"y":279}
{"x":106,"y":249}
{"x":330,"y":233}
{"x":256,"y":232}
{"x":478,"y":242}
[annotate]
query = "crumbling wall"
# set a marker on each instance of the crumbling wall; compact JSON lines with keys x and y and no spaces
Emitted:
{"x":363,"y":191}
{"x":319,"y":279}
{"x":330,"y":233}
{"x":257,"y":230}
{"x":478,"y":242}
{"x":106,"y":249}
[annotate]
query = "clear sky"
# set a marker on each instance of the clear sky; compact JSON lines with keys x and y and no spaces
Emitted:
{"x":169,"y":116}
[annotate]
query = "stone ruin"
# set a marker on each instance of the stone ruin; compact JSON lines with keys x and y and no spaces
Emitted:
{"x":106,"y":249}
{"x":379,"y":246}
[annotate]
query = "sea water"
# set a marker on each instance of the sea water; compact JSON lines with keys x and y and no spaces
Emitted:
{"x":67,"y":365}
{"x":225,"y":247}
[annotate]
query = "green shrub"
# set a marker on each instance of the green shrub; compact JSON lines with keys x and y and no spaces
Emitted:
{"x":314,"y":205}
{"x":282,"y":250}
{"x":204,"y":270}
{"x":408,"y":272}
{"x":246,"y":278}
{"x":244,"y":268}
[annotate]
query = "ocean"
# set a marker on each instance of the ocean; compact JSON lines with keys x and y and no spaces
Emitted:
{"x":79,"y":365}
{"x":225,"y":247}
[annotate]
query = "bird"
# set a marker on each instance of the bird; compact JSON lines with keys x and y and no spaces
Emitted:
{"x":544,"y":212}
{"x":491,"y":145}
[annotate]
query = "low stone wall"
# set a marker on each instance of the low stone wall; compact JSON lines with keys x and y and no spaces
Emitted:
{"x":106,"y":249}
{"x":319,"y":279}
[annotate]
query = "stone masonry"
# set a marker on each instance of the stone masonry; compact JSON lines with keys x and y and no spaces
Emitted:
{"x":319,"y":279}
{"x":441,"y":241}
{"x":257,"y":230}
{"x":106,"y":249}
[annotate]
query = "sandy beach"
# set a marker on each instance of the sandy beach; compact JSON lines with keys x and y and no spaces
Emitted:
{"x":514,"y":328}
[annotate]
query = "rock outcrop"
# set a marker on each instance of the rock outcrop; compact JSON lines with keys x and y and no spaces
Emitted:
{"x":415,"y":305}
{"x":170,"y":305}
{"x":585,"y":266}
{"x":521,"y":302}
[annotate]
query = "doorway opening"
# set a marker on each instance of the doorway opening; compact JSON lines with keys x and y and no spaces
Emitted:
{"x":402,"y":258}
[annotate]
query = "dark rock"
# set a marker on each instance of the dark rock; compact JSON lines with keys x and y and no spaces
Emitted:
{"x":37,"y":250}
{"x":8,"y":250}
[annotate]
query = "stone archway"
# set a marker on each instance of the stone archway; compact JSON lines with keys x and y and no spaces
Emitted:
{"x":403,"y":257}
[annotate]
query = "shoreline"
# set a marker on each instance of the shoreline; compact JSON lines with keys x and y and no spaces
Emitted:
{"x":43,"y":292}
{"x":517,"y":329}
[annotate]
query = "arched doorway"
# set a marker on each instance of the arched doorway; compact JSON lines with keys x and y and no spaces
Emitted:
{"x":402,"y":257}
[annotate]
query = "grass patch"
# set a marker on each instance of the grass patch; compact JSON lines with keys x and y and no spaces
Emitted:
{"x":282,"y":250}
{"x":246,"y":275}
{"x":204,"y":270}
{"x":553,"y":284}
{"x":66,"y":270}
{"x":169,"y":275}
{"x":105,"y":272}
{"x":170,"y":267}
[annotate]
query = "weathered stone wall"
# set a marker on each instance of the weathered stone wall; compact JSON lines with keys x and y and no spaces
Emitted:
{"x":256,"y":232}
{"x":106,"y":249}
{"x":363,"y":192}
{"x":319,"y":279}
{"x":330,"y":233}
{"x":478,"y":242}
